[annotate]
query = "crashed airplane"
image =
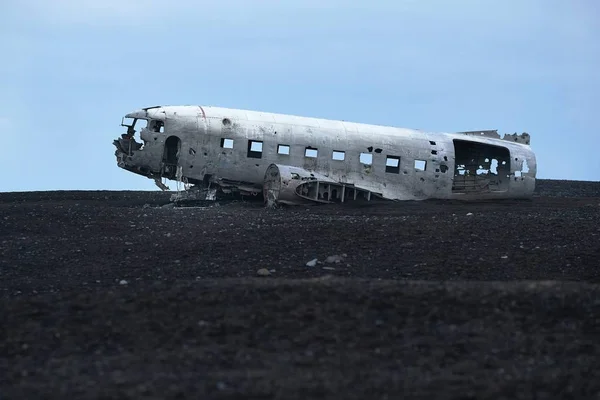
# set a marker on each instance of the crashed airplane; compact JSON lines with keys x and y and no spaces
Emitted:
{"x":297,"y":160}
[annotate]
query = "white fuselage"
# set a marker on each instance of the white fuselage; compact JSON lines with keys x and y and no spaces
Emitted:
{"x":396,"y":163}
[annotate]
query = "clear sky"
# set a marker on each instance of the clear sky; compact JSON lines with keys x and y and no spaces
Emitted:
{"x":72,"y":68}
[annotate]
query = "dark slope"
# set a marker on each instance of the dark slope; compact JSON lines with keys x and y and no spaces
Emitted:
{"x":110,"y":295}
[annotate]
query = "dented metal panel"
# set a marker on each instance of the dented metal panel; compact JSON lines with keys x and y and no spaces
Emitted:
{"x":236,"y":150}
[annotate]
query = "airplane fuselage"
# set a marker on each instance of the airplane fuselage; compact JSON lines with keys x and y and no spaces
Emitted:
{"x":234,"y":148}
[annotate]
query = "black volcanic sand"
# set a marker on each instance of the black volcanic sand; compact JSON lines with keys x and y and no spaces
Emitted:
{"x":115,"y":295}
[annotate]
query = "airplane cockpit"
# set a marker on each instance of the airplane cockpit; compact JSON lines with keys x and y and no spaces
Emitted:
{"x":127,"y":144}
{"x":145,"y":148}
{"x":147,"y":122}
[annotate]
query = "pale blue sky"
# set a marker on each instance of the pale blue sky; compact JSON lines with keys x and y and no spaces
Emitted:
{"x":72,"y":68}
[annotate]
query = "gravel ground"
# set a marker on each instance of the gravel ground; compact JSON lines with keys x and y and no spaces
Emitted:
{"x":117,"y":295}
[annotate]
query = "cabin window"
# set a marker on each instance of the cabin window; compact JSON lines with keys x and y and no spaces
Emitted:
{"x":392,"y":164}
{"x":311,"y":152}
{"x":420,"y":165}
{"x":255,"y":149}
{"x":366,"y":158}
{"x":227,"y":143}
{"x":283,"y":149}
{"x":338,"y":155}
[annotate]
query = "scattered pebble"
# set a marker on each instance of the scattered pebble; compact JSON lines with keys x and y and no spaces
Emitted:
{"x":312,"y":263}
{"x":469,"y":214}
{"x":263,"y":272}
{"x":122,"y":282}
{"x":334,"y":259}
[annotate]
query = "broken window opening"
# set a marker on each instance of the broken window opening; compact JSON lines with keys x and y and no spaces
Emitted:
{"x":443,"y":168}
{"x":141,"y":124}
{"x":494,"y":166}
{"x":420,"y":165}
{"x":481,"y":170}
{"x":392,"y":164}
{"x":127,"y":143}
{"x":128,"y":121}
{"x":378,"y":151}
{"x":434,"y":152}
{"x":283,"y":149}
{"x":255,"y":149}
{"x":431,"y":142}
{"x":227,"y":143}
{"x":479,"y":167}
{"x":366,"y":158}
{"x":338,"y":155}
{"x":370,"y":148}
{"x":311,"y":152}
{"x":157,"y":126}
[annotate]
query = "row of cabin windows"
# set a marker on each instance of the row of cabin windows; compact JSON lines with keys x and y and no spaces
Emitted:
{"x":392,"y":163}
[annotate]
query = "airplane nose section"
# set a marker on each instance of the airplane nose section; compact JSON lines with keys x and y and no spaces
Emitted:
{"x":137,"y":114}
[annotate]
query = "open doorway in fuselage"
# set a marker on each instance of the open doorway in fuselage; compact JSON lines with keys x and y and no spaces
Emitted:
{"x":172,"y":149}
{"x":480,"y":167}
{"x":171,"y":155}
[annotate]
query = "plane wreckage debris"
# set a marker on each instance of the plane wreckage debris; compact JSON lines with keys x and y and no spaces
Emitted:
{"x":292,"y":160}
{"x":193,"y":196}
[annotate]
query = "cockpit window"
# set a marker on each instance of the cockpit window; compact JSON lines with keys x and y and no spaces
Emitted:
{"x":157,"y":126}
{"x":134,"y":125}
{"x":140,"y":124}
{"x":127,"y":121}
{"x":137,"y":123}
